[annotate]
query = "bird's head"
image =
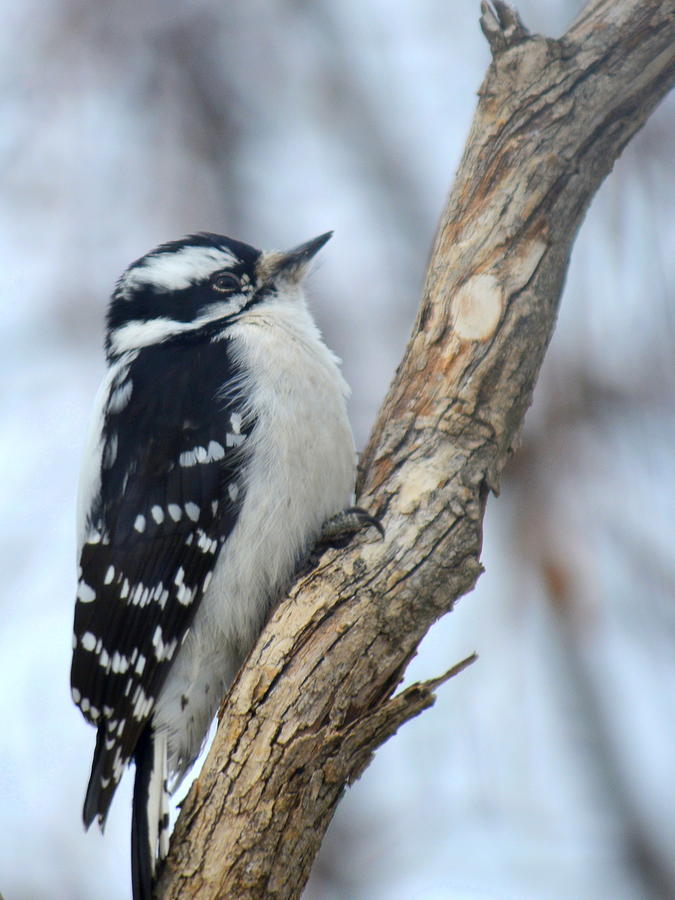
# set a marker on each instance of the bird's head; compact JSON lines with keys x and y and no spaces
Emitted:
{"x":186,"y":285}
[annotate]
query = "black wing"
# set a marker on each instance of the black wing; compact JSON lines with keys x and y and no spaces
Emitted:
{"x":174,"y":443}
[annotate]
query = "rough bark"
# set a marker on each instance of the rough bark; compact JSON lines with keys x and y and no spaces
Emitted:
{"x":316,"y":697}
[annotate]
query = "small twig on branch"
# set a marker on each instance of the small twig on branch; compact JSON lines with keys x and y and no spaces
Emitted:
{"x":501,"y":26}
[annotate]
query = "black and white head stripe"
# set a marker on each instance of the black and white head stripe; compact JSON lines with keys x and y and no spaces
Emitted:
{"x":175,"y":269}
{"x":180,"y":286}
{"x":170,"y":491}
{"x":177,"y":265}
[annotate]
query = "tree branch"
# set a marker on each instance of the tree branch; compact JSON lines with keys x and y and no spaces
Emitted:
{"x":316,"y":696}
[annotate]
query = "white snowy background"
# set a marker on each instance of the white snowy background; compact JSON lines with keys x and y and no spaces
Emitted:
{"x":544,"y":772}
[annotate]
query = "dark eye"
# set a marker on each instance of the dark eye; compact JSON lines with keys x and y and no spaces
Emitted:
{"x":225,"y":282}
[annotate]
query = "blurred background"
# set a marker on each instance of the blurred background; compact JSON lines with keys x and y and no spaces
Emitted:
{"x":545,"y":771}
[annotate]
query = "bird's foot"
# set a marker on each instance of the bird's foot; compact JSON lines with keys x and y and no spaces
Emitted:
{"x":337,"y":532}
{"x":341,"y":528}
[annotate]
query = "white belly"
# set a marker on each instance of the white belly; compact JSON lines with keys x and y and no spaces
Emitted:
{"x":300,"y":472}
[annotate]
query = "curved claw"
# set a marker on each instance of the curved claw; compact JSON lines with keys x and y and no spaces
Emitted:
{"x":349,"y":522}
{"x":337,"y":532}
{"x":366,"y":519}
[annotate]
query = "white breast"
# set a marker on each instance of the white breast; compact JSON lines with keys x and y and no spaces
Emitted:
{"x":301,"y":471}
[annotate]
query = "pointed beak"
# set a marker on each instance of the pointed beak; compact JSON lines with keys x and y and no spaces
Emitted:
{"x":293,"y":263}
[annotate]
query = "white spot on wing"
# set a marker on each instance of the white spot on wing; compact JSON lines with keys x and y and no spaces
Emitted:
{"x":139,"y":524}
{"x":157,"y":514}
{"x":142,"y":703}
{"x":109,"y":575}
{"x":184,"y":595}
{"x":189,"y":457}
{"x":197,"y":455}
{"x":90,"y":476}
{"x":175,"y":512}
{"x":119,"y":762}
{"x":119,"y":663}
{"x":215,"y":451}
{"x":85,"y":593}
{"x":120,"y":396}
{"x":192,"y":510}
{"x":204,"y":542}
{"x":88,"y":641}
{"x":110,"y":452}
{"x":162,"y":650}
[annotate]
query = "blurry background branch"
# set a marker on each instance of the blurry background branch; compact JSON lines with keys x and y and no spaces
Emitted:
{"x":317,"y":695}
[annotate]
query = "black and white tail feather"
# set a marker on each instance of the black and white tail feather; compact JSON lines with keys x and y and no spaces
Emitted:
{"x":150,"y":811}
{"x":220,"y":446}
